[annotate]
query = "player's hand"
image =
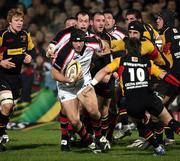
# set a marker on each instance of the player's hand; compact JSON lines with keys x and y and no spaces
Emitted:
{"x":87,"y":89}
{"x":79,"y":76}
{"x":6,"y":63}
{"x":115,"y":75}
{"x":27,"y":59}
{"x":75,"y":79}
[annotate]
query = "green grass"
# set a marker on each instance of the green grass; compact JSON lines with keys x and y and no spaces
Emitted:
{"x":42,"y":144}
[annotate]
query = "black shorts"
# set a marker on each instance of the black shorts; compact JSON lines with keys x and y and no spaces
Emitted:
{"x":12,"y":83}
{"x":105,"y":90}
{"x":139,"y":104}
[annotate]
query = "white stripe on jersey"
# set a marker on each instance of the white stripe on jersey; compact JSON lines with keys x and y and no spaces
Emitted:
{"x":95,"y":46}
{"x":117,"y":34}
{"x":68,"y":59}
{"x":62,"y":42}
{"x":65,"y":39}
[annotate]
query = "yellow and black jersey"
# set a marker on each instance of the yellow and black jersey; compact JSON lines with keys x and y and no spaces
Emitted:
{"x":150,"y":33}
{"x":15,"y":45}
{"x":171,"y":46}
{"x":147,"y":49}
{"x":134,"y":72}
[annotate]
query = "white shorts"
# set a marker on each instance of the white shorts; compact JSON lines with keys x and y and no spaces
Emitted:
{"x":66,"y":93}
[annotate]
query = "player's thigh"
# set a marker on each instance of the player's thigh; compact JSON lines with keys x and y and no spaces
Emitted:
{"x":89,"y":101}
{"x":71,"y":109}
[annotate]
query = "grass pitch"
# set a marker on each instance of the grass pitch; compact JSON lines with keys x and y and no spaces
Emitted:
{"x":42,"y":144}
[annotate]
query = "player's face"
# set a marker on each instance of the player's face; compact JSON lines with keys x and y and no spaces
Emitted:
{"x":16,"y":23}
{"x":71,"y":22}
{"x":83,"y":22}
{"x":78,"y":45}
{"x":98,"y":23}
{"x":134,"y":34}
{"x":159,"y":23}
{"x":109,"y":23}
{"x":130,"y":18}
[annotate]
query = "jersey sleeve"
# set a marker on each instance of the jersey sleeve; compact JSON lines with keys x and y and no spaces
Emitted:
{"x":114,"y":64}
{"x":147,"y":48}
{"x":151,"y":32}
{"x":0,"y":41}
{"x":94,"y":43}
{"x":117,"y":45}
{"x":1,"y":52}
{"x":156,"y":34}
{"x":30,"y":42}
{"x":155,"y":70}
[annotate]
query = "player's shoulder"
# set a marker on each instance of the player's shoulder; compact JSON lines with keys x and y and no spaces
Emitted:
{"x":172,"y":31}
{"x":25,"y":31}
{"x":64,"y":32}
{"x":67,"y":48}
{"x":3,"y":31}
{"x":120,"y":29}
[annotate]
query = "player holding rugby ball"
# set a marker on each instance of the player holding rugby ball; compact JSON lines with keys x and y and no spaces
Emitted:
{"x":70,"y":90}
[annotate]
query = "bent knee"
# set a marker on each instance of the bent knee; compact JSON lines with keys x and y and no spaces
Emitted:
{"x":74,"y":121}
{"x":95,"y":114}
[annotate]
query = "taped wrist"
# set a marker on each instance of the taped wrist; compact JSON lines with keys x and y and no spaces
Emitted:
{"x":94,"y":82}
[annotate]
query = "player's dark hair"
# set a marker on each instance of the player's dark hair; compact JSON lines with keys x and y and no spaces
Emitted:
{"x":133,"y":46}
{"x":134,"y":12}
{"x":84,"y":13}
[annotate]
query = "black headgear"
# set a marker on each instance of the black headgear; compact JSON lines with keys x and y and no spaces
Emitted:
{"x":77,"y":35}
{"x":168,"y":18}
{"x":136,"y":25}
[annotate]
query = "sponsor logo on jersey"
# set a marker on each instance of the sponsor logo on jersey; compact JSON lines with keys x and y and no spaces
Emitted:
{"x":134,"y":59}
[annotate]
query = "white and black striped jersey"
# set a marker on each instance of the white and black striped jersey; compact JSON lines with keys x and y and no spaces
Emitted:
{"x":62,"y":38}
{"x":117,"y":33}
{"x":67,"y":53}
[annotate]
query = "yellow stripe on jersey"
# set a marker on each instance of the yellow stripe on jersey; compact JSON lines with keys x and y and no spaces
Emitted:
{"x":1,"y":38}
{"x":0,"y":41}
{"x":17,"y":51}
{"x":147,"y":46}
{"x":117,"y":45}
{"x":114,"y":65}
{"x":30,"y":42}
{"x":148,"y":35}
{"x":150,"y":28}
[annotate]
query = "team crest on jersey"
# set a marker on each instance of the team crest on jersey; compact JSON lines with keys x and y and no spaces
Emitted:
{"x":175,"y":30}
{"x":134,"y":59}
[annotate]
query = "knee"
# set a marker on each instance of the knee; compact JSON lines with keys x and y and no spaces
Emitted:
{"x":7,"y":109}
{"x":75,"y":122}
{"x":95,"y":114}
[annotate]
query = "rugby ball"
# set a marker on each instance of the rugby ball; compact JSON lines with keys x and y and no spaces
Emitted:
{"x":72,"y":70}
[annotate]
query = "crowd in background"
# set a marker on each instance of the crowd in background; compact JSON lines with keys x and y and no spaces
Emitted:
{"x":44,"y":18}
